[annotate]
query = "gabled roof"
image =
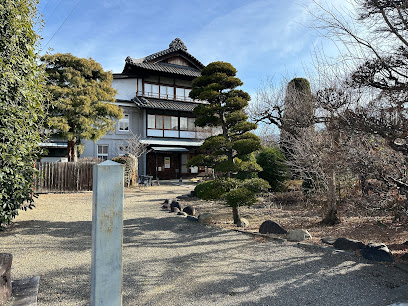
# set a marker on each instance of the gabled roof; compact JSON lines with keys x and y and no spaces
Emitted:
{"x":157,"y":61}
{"x":164,"y":67}
{"x":153,"y":103}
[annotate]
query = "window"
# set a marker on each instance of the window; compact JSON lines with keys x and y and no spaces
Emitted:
{"x":167,"y":122}
{"x":147,"y":89}
{"x":174,"y":123}
{"x":166,"y":92}
{"x":155,"y":91}
{"x":170,"y":123}
{"x":151,"y":121}
{"x":159,"y":122}
{"x":183,"y":124}
{"x":151,"y":90}
{"x":103,"y":152}
{"x":180,"y":94}
{"x":123,"y":125}
{"x":190,"y":124}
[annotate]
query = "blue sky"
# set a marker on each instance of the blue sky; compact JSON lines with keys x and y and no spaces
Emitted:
{"x":261,"y":38}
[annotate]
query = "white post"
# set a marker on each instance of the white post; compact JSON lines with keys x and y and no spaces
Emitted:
{"x":107,"y":234}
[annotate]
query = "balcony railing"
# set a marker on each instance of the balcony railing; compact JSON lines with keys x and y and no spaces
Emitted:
{"x":167,"y":97}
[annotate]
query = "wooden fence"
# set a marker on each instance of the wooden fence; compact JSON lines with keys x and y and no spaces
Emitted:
{"x":63,"y":177}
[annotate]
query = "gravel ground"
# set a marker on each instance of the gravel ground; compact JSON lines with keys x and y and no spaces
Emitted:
{"x":169,"y":260}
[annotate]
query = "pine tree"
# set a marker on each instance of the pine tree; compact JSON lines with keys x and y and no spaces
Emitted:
{"x":79,"y":90}
{"x":231,"y":152}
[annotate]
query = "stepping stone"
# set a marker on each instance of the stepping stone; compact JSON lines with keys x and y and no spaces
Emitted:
{"x":298,"y":235}
{"x":192,"y":218}
{"x":175,"y":209}
{"x":205,"y":218}
{"x":348,"y":244}
{"x":189,"y":210}
{"x":270,"y":227}
{"x":175,"y":204}
{"x":377,"y":252}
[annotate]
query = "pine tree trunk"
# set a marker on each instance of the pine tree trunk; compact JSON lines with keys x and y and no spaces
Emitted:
{"x":72,"y":150}
{"x":235,"y":214}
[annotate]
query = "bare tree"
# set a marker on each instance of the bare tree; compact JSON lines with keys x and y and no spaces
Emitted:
{"x":373,"y":39}
{"x":133,"y":148}
{"x":312,"y":156}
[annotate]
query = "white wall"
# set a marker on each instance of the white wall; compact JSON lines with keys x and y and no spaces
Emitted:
{"x":126,"y":88}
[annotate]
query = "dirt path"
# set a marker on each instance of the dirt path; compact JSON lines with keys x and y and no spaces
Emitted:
{"x":172,"y":261}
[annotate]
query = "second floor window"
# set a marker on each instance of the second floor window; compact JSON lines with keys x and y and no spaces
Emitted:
{"x":151,"y":90}
{"x":162,"y":122}
{"x":166,"y":92}
{"x":123,"y":124}
{"x":182,"y":94}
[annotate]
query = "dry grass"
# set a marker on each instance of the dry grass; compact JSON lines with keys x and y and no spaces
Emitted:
{"x":293,"y":212}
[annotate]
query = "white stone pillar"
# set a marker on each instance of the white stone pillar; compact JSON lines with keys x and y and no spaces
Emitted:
{"x":107,"y":234}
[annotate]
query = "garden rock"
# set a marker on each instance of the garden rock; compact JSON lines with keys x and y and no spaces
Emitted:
{"x":348,"y":244}
{"x":242,"y":222}
{"x":182,"y":213}
{"x":298,"y":235}
{"x":175,"y":209}
{"x":205,"y":218}
{"x":329,"y":240}
{"x":192,"y":218}
{"x":175,"y":204}
{"x":270,"y":227}
{"x":377,"y":252}
{"x":190,"y":210}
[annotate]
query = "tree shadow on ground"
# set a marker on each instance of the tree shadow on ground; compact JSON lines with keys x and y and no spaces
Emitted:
{"x":225,"y":268}
{"x":169,"y":260}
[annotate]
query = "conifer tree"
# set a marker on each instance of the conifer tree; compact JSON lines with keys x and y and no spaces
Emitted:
{"x":298,"y":114}
{"x":79,"y":90}
{"x":231,"y":152}
{"x":21,"y":101}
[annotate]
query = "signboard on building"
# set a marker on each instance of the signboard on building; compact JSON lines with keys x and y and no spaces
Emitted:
{"x":167,"y":162}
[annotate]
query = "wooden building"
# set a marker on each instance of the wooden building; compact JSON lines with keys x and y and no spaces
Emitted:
{"x":154,"y":94}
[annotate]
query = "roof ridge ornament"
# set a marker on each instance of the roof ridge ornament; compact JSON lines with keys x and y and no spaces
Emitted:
{"x":177,"y":44}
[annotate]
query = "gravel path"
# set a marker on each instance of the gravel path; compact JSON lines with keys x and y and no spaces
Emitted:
{"x":171,"y":261}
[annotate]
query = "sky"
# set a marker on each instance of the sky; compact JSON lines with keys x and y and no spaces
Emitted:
{"x":260,"y":38}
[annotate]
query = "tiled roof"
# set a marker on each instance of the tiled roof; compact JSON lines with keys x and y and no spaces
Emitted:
{"x":149,"y":62}
{"x":152,"y":103}
{"x":176,"y":45}
{"x":163,"y":67}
